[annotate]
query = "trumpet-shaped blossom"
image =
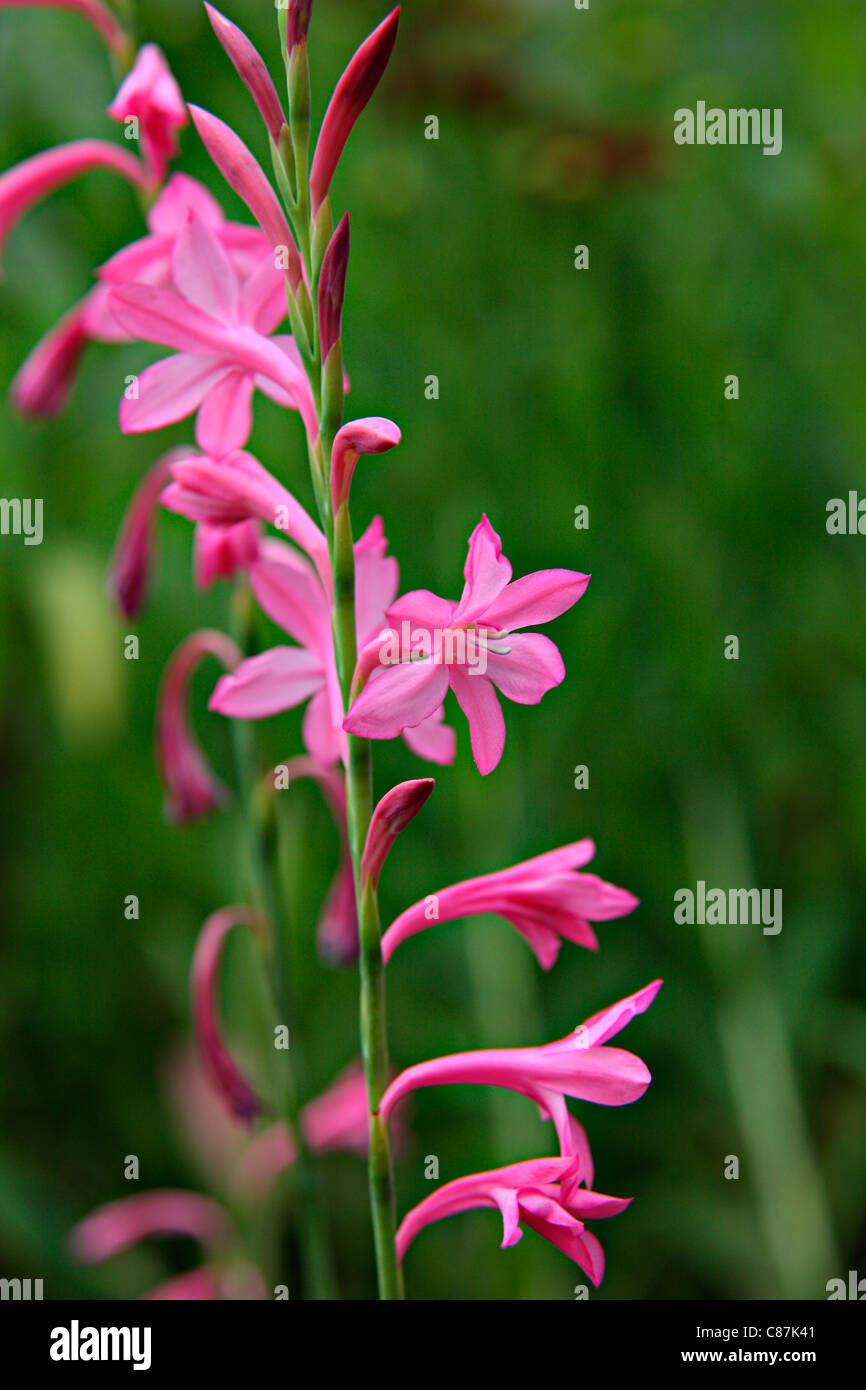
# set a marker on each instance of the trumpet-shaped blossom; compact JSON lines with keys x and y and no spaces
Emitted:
{"x":536,"y":1194}
{"x":353,"y":91}
{"x":284,"y":677}
{"x":474,"y":646}
{"x":218,"y":324}
{"x":544,"y":898}
{"x":220,"y":551}
{"x":150,"y":96}
{"x":190,"y":786}
{"x":578,"y":1065}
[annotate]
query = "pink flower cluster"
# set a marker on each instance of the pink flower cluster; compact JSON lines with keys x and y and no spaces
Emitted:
{"x":216,"y":295}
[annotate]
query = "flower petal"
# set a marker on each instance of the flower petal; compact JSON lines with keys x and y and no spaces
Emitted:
{"x":532,"y":667}
{"x":267,"y":684}
{"x":478,"y":701}
{"x":396,"y":698}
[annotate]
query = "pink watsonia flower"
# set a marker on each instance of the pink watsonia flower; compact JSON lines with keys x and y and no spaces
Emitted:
{"x":219,"y":326}
{"x":473,"y":646}
{"x":221,"y":551}
{"x":131,"y":562}
{"x":93,"y":11}
{"x":536,"y":1194}
{"x":544,"y":898}
{"x":371,"y":435}
{"x":227,"y":1078}
{"x":285,"y":677}
{"x":191,"y":789}
{"x":392,"y":814}
{"x":150,"y":96}
{"x":43,"y":382}
{"x":578,"y":1065}
{"x":242,"y":172}
{"x":28,"y":183}
{"x":353,"y":91}
{"x":250,"y":67}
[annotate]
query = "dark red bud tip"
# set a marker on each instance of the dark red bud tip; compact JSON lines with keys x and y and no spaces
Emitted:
{"x":332,"y":287}
{"x":297,"y":22}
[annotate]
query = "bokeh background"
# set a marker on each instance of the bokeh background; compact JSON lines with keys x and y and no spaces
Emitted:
{"x":558,"y":387}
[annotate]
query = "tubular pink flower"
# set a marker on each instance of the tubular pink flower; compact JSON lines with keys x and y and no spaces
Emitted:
{"x":131,"y":561}
{"x":220,"y":551}
{"x":536,"y":1194}
{"x":543,"y":898}
{"x":237,"y":489}
{"x":250,"y":68}
{"x":244,"y":174}
{"x":43,"y":382}
{"x":372,"y":435}
{"x":439,"y":653}
{"x":332,"y":287}
{"x":97,"y":14}
{"x":231,"y":1084}
{"x":218,"y":325}
{"x":393,"y":813}
{"x":150,"y":94}
{"x":190,"y":787}
{"x":116,"y":1226}
{"x":26,"y":184}
{"x":353,"y":91}
{"x":577,"y":1065}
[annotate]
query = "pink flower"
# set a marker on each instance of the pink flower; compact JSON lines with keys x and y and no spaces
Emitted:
{"x":97,"y":14}
{"x":536,"y":1194}
{"x":251,"y":69}
{"x":372,"y":435}
{"x":191,"y":788}
{"x":472,"y":646}
{"x":130,"y":564}
{"x":244,"y":174}
{"x":284,"y":677}
{"x":392,"y":814}
{"x":543,"y":898}
{"x":351,"y":95}
{"x":42,"y":384}
{"x":218,"y":325}
{"x":150,"y":95}
{"x":26,"y":184}
{"x":227,"y":1078}
{"x":220,"y":551}
{"x":579,"y":1065}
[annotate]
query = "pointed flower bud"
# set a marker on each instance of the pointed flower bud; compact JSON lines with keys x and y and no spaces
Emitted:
{"x":351,"y":95}
{"x":332,"y":287}
{"x":297,"y":22}
{"x":228,"y":1079}
{"x":372,"y":435}
{"x":393,"y":813}
{"x":251,"y":69}
{"x":191,"y":788}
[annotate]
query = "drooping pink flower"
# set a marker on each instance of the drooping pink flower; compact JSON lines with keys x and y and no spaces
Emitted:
{"x":150,"y":96}
{"x":353,"y":91}
{"x":472,"y":646}
{"x":284,"y":677}
{"x":544,"y":898}
{"x":392,"y":814}
{"x":578,"y":1065}
{"x":97,"y":14}
{"x":536,"y":1194}
{"x":245,"y":175}
{"x":227,"y":1078}
{"x":220,"y":551}
{"x":131,"y":561}
{"x":250,"y":67}
{"x":26,"y":184}
{"x":113,"y":1228}
{"x":218,"y":325}
{"x":371,"y":435}
{"x":191,"y":788}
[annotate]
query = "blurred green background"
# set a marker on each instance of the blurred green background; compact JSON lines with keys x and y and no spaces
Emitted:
{"x":558,"y":387}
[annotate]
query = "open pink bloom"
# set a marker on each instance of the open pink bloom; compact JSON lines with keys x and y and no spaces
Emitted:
{"x":544,"y":898}
{"x":191,"y":788}
{"x":472,"y":646}
{"x":536,"y":1194}
{"x":218,"y":324}
{"x":227,"y":1078}
{"x":251,"y":69}
{"x":150,"y":95}
{"x":97,"y":14}
{"x":579,"y":1065}
{"x":26,"y":184}
{"x":353,"y":91}
{"x":285,"y":677}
